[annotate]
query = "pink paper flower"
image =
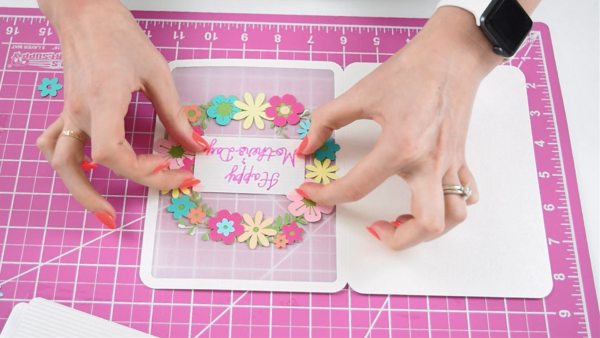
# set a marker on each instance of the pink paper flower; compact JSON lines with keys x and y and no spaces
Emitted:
{"x":309,"y":209}
{"x":198,"y":129}
{"x":284,"y":110}
{"x":292,"y":232}
{"x":225,"y":226}
{"x":172,"y":151}
{"x":188,"y":164}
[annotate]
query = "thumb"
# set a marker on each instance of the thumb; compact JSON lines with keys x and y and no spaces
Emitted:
{"x":329,"y":117}
{"x":161,"y":91}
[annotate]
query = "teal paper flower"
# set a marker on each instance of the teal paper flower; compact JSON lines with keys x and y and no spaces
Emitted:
{"x":327,"y":150}
{"x":304,"y":126}
{"x":181,"y":206}
{"x":225,"y":227}
{"x":223,"y":109}
{"x":49,"y":87}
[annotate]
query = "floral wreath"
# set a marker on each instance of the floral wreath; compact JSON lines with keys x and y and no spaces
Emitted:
{"x":228,"y":227}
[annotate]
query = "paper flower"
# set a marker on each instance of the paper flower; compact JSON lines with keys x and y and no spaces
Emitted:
{"x":284,"y":110}
{"x":281,"y":241}
{"x":252,"y":110}
{"x":292,"y":232}
{"x":49,"y":87}
{"x":304,"y":126}
{"x":309,"y":209}
{"x":196,"y":215}
{"x":188,"y":164}
{"x":172,"y":151}
{"x":256,"y":230}
{"x":181,"y":206}
{"x":327,"y":150}
{"x":223,"y":109}
{"x":194,"y":113}
{"x":198,"y":129}
{"x":175,"y":193}
{"x":322,"y":171}
{"x":225,"y":226}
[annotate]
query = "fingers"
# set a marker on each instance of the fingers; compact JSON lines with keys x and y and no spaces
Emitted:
{"x":427,"y":210}
{"x":367,"y":175}
{"x":47,"y":141}
{"x":111,"y":149}
{"x":455,"y":206}
{"x":160,"y":89}
{"x":466,"y":177}
{"x":329,"y":117}
{"x":66,"y":160}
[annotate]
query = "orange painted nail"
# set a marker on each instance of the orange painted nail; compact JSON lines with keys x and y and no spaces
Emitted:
{"x":372,"y":232}
{"x":106,"y":219}
{"x":189,"y":182}
{"x":161,"y":167}
{"x":396,"y":223}
{"x":86,"y":165}
{"x":302,"y":193}
{"x":302,"y":147}
{"x":200,"y":141}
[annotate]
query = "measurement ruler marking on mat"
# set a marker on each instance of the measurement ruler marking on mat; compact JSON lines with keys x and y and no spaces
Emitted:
{"x":554,"y":200}
{"x":310,"y":41}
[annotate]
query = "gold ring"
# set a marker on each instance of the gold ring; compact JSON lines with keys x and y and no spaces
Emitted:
{"x":78,"y":136}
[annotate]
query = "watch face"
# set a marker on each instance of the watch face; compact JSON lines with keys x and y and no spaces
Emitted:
{"x":508,"y":24}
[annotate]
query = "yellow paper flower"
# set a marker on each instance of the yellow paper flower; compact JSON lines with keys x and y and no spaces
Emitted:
{"x":321,"y":171}
{"x":252,"y":110}
{"x":177,"y":192}
{"x":255,"y":230}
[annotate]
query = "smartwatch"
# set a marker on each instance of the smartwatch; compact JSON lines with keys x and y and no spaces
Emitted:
{"x":504,"y":22}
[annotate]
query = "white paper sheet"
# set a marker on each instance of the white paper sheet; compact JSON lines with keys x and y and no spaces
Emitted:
{"x":250,"y":166}
{"x":500,"y":251}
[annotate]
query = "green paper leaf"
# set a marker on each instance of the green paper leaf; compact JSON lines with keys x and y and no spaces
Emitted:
{"x":205,"y":236}
{"x":278,"y":221}
{"x":272,"y":125}
{"x":209,"y":213}
{"x":192,"y":231}
{"x":302,"y":221}
{"x":286,"y":220}
{"x":203,"y":125}
{"x":204,"y":208}
{"x":285,"y":135}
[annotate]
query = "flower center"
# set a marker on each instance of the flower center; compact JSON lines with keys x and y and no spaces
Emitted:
{"x":191,"y":113}
{"x":285,"y":110}
{"x":324,"y":148}
{"x":49,"y":86}
{"x":176,"y":151}
{"x":181,"y":207}
{"x":291,"y":233}
{"x":224,"y":109}
{"x":256,"y":229}
{"x":308,"y":202}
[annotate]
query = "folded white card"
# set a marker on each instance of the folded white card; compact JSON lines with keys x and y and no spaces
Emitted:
{"x":500,"y":251}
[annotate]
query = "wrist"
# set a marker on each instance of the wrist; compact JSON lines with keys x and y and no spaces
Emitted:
{"x":456,"y":38}
{"x":65,"y":15}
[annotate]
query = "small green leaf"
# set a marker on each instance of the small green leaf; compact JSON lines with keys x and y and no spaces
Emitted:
{"x":285,"y":135}
{"x":209,"y":213}
{"x":302,"y":221}
{"x":192,"y":231}
{"x":204,"y":208}
{"x":272,"y":125}
{"x":286,"y":220}
{"x":205,"y":236}
{"x":278,"y":221}
{"x":203,"y":125}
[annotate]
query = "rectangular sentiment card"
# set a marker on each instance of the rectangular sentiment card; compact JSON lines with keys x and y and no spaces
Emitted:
{"x":266,"y":166}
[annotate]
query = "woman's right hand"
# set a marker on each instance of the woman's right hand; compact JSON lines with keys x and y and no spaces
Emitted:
{"x":106,"y":57}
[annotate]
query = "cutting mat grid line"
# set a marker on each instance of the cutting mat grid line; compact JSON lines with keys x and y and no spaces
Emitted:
{"x":52,"y":249}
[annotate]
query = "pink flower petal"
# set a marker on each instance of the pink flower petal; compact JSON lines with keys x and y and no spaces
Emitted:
{"x":325,"y":209}
{"x":214,"y":235}
{"x":312,"y":215}
{"x":163,"y":145}
{"x":271,"y":112}
{"x":289,"y":99}
{"x":279,"y":121}
{"x":228,"y":239}
{"x":275,"y":101}
{"x":297,"y":107}
{"x":297,"y":208}
{"x":293,"y":118}
{"x":294,"y":197}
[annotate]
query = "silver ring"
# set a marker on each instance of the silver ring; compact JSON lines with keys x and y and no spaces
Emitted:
{"x":465,"y":191}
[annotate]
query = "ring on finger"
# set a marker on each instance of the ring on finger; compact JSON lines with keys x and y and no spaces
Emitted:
{"x":80,"y":136}
{"x":465,"y":191}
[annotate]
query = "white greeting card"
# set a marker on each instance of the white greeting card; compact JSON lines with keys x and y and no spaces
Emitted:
{"x":498,"y":252}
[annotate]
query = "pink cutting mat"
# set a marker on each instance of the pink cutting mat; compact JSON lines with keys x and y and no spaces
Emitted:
{"x":52,"y":248}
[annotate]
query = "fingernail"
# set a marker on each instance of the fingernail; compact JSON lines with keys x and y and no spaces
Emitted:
{"x":302,"y":147}
{"x":396,"y":223}
{"x":200,"y":141}
{"x":189,"y":182}
{"x":106,"y":219}
{"x":161,"y":167}
{"x":85,"y":165}
{"x":302,"y":193}
{"x":370,"y":230}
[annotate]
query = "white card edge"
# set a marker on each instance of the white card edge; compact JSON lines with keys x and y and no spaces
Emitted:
{"x":248,"y":285}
